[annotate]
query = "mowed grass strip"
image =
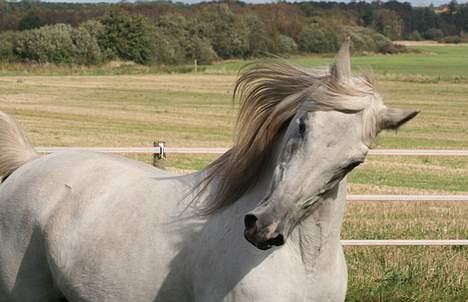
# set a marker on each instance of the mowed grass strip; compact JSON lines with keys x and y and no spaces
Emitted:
{"x":176,"y":107}
{"x":116,"y":111}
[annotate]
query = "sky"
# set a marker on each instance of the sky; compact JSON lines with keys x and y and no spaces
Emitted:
{"x":413,"y":2}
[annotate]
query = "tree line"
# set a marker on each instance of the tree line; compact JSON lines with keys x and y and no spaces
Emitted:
{"x":162,"y":32}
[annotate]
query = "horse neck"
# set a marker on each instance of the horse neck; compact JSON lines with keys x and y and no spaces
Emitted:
{"x":318,"y":236}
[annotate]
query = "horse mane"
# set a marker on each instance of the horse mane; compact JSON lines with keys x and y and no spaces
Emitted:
{"x":270,"y":94}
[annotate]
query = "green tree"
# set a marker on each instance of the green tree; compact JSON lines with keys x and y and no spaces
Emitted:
{"x":128,"y":37}
{"x":388,"y":23}
{"x":85,"y":40}
{"x":227,"y":32}
{"x":201,"y":50}
{"x":314,"y":39}
{"x":171,"y":39}
{"x":433,"y":34}
{"x":7,"y":42}
{"x":30,"y":21}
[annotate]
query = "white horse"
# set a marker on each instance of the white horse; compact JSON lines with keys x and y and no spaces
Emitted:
{"x":81,"y":226}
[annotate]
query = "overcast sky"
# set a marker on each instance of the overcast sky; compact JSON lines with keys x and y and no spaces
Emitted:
{"x":413,"y":2}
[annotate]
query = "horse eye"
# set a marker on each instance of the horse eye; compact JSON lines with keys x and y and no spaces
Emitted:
{"x":302,"y":127}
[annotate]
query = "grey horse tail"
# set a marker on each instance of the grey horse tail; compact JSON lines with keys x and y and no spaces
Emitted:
{"x":15,"y":148}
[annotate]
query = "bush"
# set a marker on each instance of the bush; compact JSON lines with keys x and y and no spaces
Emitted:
{"x":286,"y":45}
{"x":97,"y":30}
{"x":433,"y":34}
{"x":379,"y":40}
{"x":451,"y":39}
{"x":51,"y":43}
{"x":392,"y":49}
{"x":259,"y":44}
{"x":414,"y":36}
{"x":7,"y":41}
{"x":87,"y":50}
{"x":314,"y":39}
{"x":201,"y":50}
{"x":59,"y":44}
{"x":364,"y":39}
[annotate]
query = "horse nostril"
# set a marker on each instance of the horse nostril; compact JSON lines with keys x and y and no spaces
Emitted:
{"x":250,"y":221}
{"x":276,"y":241}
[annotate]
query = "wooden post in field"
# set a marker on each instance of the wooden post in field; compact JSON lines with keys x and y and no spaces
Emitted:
{"x":161,"y":155}
{"x":195,"y":66}
{"x":155,"y":155}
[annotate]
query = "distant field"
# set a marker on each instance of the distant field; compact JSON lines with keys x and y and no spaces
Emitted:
{"x":430,"y":63}
{"x":196,"y":110}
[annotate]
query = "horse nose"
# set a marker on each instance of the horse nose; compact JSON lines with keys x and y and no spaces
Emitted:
{"x":250,"y":221}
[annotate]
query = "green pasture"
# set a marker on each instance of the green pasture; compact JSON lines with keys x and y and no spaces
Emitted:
{"x":134,"y":106}
{"x":424,"y":63}
{"x":421,"y":64}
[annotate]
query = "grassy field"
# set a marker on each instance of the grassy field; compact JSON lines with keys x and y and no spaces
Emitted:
{"x":406,"y":273}
{"x":429,"y":63}
{"x":195,"y":110}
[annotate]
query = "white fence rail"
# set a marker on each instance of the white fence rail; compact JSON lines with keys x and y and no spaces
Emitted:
{"x":394,"y":152}
{"x":388,"y":152}
{"x":404,"y":242}
{"x":431,"y":197}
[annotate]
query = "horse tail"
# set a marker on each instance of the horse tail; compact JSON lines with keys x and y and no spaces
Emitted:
{"x":15,"y":148}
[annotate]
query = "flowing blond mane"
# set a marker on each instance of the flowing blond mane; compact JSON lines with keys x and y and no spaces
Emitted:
{"x":270,"y":94}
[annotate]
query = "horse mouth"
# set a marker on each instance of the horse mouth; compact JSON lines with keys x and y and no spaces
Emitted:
{"x":278,"y":240}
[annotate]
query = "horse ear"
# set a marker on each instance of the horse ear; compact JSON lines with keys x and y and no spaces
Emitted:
{"x":341,"y":69}
{"x":393,"y":118}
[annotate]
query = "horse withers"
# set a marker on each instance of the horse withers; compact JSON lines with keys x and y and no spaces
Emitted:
{"x":261,"y":223}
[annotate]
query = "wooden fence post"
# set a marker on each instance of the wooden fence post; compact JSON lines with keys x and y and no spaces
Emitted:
{"x":161,"y":155}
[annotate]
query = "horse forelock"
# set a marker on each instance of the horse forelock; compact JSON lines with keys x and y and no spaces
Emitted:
{"x":270,"y":94}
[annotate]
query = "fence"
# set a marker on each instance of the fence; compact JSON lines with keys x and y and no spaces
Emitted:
{"x":156,"y":150}
{"x":159,"y":152}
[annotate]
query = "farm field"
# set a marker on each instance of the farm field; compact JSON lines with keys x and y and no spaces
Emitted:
{"x":425,"y":63}
{"x":196,"y":110}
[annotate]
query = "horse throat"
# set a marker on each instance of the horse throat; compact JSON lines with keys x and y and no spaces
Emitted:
{"x":318,"y":236}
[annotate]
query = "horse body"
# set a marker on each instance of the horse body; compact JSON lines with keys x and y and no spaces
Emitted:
{"x":83,"y":222}
{"x":109,"y":229}
{"x":261,"y":223}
